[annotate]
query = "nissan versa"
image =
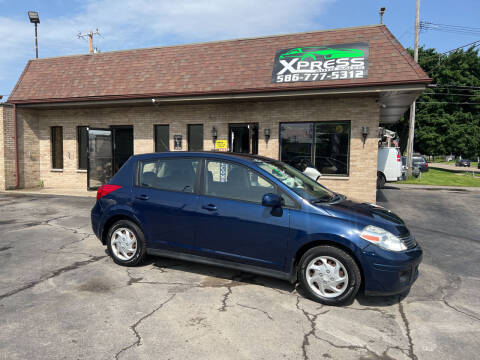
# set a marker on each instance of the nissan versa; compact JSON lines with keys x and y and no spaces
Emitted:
{"x":256,"y":215}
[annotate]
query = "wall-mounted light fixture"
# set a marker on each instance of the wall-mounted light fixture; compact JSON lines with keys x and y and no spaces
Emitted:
{"x":364,"y":134}
{"x":214,"y":133}
{"x":267,"y":134}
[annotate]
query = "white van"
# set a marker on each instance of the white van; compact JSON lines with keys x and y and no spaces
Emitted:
{"x":389,"y":165}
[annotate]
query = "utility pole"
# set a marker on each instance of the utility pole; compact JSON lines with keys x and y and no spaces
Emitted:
{"x":90,"y":39}
{"x":411,"y":131}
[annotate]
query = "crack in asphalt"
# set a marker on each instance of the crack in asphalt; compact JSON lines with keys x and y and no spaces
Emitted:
{"x":453,"y":284}
{"x":312,"y":318}
{"x":313,"y":332}
{"x":371,"y":355}
{"x":237,"y":280}
{"x":55,"y":273}
{"x":383,"y":312}
{"x":133,"y":327}
{"x":5,"y":248}
{"x":254,"y":308}
{"x":411,"y":353}
{"x":225,"y":298}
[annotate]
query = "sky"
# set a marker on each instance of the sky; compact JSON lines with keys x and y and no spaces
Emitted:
{"x":128,"y":24}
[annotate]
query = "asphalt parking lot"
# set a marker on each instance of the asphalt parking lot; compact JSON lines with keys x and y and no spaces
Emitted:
{"x":61,"y":297}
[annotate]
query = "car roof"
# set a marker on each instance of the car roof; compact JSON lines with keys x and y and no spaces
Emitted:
{"x":213,"y":154}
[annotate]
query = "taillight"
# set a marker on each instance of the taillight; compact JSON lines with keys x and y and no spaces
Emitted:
{"x":399,"y":158}
{"x":426,"y":164}
{"x":106,"y":189}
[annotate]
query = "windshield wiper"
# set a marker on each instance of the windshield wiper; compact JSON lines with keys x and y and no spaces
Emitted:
{"x":333,"y":198}
{"x":320,"y":200}
{"x":336,"y":197}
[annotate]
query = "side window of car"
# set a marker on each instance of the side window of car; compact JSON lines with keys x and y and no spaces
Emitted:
{"x":168,"y":174}
{"x":234,"y":181}
{"x":288,"y":202}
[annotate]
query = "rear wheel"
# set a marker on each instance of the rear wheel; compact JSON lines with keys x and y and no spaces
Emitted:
{"x":380,"y":180}
{"x":126,"y":243}
{"x":329,"y":275}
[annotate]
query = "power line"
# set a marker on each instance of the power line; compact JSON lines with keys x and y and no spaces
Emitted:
{"x":448,"y":102}
{"x":463,"y":30}
{"x":466,"y":87}
{"x":461,"y":47}
{"x":448,"y":94}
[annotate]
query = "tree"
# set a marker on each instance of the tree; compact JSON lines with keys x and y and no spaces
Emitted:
{"x":447,"y":118}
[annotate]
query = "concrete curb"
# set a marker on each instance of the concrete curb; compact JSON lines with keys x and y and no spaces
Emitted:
{"x":433,"y":187}
{"x":49,"y":192}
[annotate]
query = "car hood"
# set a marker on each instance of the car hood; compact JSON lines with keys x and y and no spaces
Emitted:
{"x":365,"y":214}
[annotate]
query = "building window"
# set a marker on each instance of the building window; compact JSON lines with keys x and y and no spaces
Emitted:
{"x":161,"y":138}
{"x":323,"y":145}
{"x":195,"y":137}
{"x":82,"y":144}
{"x":57,"y":147}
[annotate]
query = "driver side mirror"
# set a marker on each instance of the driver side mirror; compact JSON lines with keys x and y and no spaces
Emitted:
{"x":272,"y":200}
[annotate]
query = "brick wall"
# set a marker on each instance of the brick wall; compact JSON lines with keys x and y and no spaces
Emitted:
{"x":7,"y":148}
{"x":361,"y":111}
{"x":2,"y":151}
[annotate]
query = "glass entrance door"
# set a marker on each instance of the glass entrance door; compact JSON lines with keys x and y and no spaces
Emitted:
{"x":100,"y":157}
{"x":243,"y":138}
{"x":122,"y":145}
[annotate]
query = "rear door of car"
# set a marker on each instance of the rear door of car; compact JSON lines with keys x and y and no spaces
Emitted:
{"x":233,"y":224}
{"x":165,"y":201}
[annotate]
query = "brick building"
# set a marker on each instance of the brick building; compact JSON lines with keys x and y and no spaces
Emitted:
{"x":315,"y":97}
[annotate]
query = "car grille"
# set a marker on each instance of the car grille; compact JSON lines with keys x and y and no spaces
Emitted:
{"x":409,"y":241}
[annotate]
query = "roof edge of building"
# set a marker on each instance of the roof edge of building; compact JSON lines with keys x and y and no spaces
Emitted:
{"x":213,"y":42}
{"x":274,"y":93}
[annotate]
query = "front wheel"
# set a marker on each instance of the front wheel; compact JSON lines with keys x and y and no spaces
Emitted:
{"x":126,"y":243}
{"x":329,"y":275}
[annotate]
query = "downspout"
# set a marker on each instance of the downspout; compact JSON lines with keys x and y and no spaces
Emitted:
{"x":15,"y":138}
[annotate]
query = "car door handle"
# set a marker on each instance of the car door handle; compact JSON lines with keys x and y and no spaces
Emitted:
{"x":209,"y":207}
{"x":142,"y":197}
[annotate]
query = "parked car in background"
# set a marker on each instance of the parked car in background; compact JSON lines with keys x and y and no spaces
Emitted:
{"x":419,"y":162}
{"x":404,"y":168}
{"x":254,"y":214}
{"x":463,"y":162}
{"x":389,"y":165}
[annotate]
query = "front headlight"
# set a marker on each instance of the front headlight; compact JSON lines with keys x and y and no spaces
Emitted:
{"x":382,"y":238}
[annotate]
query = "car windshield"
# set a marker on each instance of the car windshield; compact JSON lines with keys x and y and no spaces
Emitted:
{"x":298,"y":182}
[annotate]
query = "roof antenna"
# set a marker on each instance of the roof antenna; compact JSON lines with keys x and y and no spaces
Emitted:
{"x":90,"y":40}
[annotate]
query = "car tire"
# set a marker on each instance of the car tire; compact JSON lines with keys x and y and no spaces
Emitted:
{"x":313,"y":269}
{"x":380,"y":180}
{"x":122,"y":234}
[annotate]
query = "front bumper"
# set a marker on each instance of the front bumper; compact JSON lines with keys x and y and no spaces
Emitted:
{"x":389,"y":273}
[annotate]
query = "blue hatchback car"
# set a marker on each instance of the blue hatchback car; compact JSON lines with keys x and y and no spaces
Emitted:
{"x":257,"y":215}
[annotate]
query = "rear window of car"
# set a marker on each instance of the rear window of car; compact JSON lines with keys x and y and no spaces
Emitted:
{"x":176,"y":174}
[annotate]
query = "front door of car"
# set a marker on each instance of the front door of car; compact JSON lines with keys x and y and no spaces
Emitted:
{"x":165,"y":201}
{"x":233,"y":224}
